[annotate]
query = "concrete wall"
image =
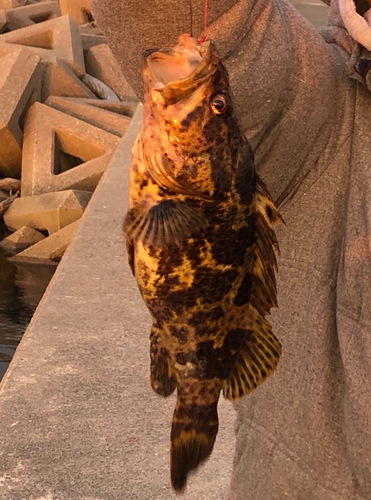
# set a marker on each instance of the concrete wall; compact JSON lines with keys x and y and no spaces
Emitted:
{"x":78,"y":419}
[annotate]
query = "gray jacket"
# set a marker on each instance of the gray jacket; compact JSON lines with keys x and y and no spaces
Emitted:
{"x":305,"y":434}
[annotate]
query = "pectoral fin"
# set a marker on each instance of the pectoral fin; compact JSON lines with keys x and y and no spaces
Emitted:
{"x":164,"y":224}
{"x":257,"y":358}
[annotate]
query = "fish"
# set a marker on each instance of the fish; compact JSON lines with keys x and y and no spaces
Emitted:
{"x":201,"y":244}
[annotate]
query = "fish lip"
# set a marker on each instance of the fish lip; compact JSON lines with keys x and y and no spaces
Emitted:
{"x":206,"y":50}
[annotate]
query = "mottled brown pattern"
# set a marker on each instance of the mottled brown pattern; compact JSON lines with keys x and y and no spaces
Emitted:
{"x":209,"y":292}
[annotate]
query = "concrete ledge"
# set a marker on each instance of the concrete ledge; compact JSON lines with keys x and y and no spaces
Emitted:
{"x":79,"y":420}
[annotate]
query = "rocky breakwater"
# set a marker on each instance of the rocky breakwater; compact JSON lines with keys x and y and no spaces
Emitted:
{"x":64,"y":106}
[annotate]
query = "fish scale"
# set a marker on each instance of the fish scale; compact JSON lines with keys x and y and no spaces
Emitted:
{"x":201,"y":245}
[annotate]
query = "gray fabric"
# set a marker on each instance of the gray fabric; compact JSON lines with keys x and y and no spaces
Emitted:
{"x":305,"y":434}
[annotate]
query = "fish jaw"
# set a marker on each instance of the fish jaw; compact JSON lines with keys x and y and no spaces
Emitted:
{"x":179,"y":66}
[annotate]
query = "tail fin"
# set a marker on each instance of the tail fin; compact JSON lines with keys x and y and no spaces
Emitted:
{"x":193,"y":436}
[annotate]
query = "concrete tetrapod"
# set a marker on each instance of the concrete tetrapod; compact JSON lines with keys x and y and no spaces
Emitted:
{"x":47,"y":212}
{"x":49,"y":249}
{"x":11,"y":4}
{"x":79,"y":10}
{"x":101,"y":63}
{"x":60,"y":80}
{"x":58,"y":37}
{"x":114,"y":123}
{"x":62,"y":152}
{"x":32,"y":14}
{"x":88,"y":40}
{"x":21,"y":239}
{"x":3,"y":20}
{"x":125,"y":107}
{"x":20,"y":81}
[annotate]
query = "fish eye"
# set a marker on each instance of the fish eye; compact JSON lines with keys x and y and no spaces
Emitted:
{"x":218,"y":104}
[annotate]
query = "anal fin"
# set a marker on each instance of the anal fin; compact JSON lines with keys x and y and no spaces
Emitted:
{"x":162,"y":378}
{"x":257,"y":358}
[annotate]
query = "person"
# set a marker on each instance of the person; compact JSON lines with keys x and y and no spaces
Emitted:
{"x":305,"y":434}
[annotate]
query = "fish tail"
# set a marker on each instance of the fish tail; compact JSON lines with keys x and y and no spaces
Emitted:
{"x":193,"y":434}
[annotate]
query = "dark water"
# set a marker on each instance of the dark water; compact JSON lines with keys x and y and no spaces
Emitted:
{"x":21,"y":288}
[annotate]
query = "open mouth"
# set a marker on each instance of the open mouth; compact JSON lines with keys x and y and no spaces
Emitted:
{"x":170,"y":66}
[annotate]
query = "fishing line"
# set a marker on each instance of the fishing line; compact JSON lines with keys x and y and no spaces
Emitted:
{"x":206,"y":8}
{"x":191,"y":16}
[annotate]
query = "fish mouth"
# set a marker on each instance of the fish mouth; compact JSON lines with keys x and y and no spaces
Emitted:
{"x":180,"y":67}
{"x":172,"y":76}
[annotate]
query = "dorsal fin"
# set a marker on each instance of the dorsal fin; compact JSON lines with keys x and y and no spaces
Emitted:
{"x":259,"y":350}
{"x":263,"y":261}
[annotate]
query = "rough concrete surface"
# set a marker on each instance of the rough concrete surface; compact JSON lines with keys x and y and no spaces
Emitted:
{"x":78,"y":418}
{"x":2,"y":19}
{"x":314,"y":10}
{"x":88,"y":40}
{"x":114,"y":123}
{"x":125,"y":107}
{"x":32,"y":14}
{"x":101,"y":64}
{"x":79,"y":10}
{"x":60,"y":80}
{"x":20,"y":240}
{"x":59,"y":37}
{"x":19,"y":88}
{"x":10,"y":4}
{"x":48,"y":249}
{"x":50,"y":211}
{"x":62,"y":152}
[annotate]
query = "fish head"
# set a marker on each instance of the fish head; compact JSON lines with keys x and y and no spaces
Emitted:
{"x":190,"y":134}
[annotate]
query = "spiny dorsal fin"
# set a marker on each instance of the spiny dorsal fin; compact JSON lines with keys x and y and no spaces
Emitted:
{"x":260,"y":350}
{"x":258,"y":357}
{"x":263,"y":260}
{"x":164,"y":224}
{"x":266,"y":206}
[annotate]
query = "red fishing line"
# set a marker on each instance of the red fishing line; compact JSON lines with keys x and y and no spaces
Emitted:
{"x":205,"y":20}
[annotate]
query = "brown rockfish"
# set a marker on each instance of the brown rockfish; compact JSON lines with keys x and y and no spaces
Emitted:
{"x":201,"y":246}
